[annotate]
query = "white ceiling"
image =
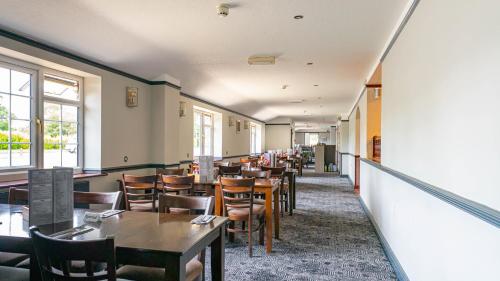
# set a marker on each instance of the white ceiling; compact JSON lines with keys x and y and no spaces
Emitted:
{"x":208,"y":54}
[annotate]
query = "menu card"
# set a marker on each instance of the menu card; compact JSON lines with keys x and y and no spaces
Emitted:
{"x":50,"y":195}
{"x":206,"y":169}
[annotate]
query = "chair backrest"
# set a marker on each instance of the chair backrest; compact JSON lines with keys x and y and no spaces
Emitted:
{"x":113,"y":198}
{"x":230,"y":170}
{"x":275,"y":171}
{"x":177,"y":182}
{"x":55,"y":255}
{"x":256,"y":174}
{"x":138,"y":189}
{"x":194,"y":204}
{"x":170,"y":172}
{"x":221,"y":163}
{"x":236,"y":193}
{"x":18,"y":196}
{"x":252,"y":162}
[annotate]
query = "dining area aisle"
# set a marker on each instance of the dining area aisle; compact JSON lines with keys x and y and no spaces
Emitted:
{"x":329,"y":237}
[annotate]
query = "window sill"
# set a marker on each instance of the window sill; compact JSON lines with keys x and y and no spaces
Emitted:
{"x":24,"y":182}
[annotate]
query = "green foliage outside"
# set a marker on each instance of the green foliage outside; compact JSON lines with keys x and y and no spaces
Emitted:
{"x":52,"y":134}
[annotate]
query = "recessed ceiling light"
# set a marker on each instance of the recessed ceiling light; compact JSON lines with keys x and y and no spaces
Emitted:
{"x":309,"y":63}
{"x":316,"y":85}
{"x":284,"y":87}
{"x":298,"y":17}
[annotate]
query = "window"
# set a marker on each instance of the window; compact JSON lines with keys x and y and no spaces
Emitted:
{"x":253,"y":139}
{"x":16,"y":116}
{"x":311,"y":139}
{"x":29,"y":119}
{"x":203,"y":133}
{"x":62,"y":121}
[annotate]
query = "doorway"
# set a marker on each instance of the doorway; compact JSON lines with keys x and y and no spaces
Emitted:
{"x":357,"y":152}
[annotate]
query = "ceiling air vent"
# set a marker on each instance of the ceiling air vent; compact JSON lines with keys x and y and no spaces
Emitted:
{"x":261,"y":60}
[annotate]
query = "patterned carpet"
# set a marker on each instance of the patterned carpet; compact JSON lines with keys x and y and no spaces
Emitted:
{"x":329,"y":237}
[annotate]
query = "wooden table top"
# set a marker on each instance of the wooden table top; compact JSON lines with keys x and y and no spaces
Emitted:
{"x":262,"y":183}
{"x":138,"y":230}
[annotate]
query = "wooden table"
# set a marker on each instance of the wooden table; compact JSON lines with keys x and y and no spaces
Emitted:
{"x":141,"y":238}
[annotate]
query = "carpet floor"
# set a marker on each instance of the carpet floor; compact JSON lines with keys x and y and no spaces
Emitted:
{"x":329,"y":237}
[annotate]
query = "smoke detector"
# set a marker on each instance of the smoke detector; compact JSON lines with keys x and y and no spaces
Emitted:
{"x":223,"y":10}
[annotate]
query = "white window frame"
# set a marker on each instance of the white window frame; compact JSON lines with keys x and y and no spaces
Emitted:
{"x":36,"y":116}
{"x":62,"y":101}
{"x":13,"y":65}
{"x":253,"y":139}
{"x":202,"y":132}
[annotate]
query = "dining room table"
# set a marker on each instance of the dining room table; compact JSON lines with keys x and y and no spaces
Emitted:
{"x":270,"y":188}
{"x":141,"y":238}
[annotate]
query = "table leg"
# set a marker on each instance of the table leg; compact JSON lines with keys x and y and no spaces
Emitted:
{"x":291,"y":188}
{"x":218,"y":202}
{"x":176,"y":269}
{"x":217,"y":256}
{"x":269,"y":220}
{"x":277,"y":213}
{"x":294,"y":180}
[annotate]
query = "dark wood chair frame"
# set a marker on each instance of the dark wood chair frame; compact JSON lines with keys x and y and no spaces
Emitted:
{"x":131,"y":185}
{"x":232,"y":171}
{"x":239,"y":193}
{"x":279,"y":173}
{"x":54,"y":257}
{"x":177,"y":184}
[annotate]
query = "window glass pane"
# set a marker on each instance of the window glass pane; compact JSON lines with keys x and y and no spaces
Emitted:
{"x":51,"y":155}
{"x":207,"y":139}
{"x":20,"y":131}
{"x":51,"y":111}
{"x":197,"y":134}
{"x":21,"y":154}
{"x":207,"y":120}
{"x":69,"y":133}
{"x":69,"y":113}
{"x":59,"y":87}
{"x":20,"y":83}
{"x":4,"y":130}
{"x":4,"y":80}
{"x":4,"y":106}
{"x":4,"y":155}
{"x":70,"y":155}
{"x":20,"y":108}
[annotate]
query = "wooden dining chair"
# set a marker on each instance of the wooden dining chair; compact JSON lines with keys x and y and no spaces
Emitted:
{"x":177,"y":184}
{"x":111,"y":198}
{"x":139,"y":192}
{"x":18,"y":196}
{"x":170,"y":172}
{"x":230,"y":171}
{"x":256,"y":174}
{"x":221,"y":163}
{"x":238,"y":206}
{"x":195,"y":267}
{"x":55,"y":256}
{"x":279,"y":173}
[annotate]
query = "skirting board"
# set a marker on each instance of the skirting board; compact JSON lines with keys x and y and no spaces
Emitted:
{"x":398,"y":269}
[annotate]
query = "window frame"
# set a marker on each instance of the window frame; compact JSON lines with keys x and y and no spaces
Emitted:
{"x":36,"y":115}
{"x":253,"y":139}
{"x":202,"y":132}
{"x":80,"y":118}
{"x":11,"y":64}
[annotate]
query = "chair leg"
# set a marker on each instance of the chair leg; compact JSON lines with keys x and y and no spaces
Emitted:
{"x":250,"y":247}
{"x":231,"y":234}
{"x":262,"y":230}
{"x":202,"y":260}
{"x":243,"y":225}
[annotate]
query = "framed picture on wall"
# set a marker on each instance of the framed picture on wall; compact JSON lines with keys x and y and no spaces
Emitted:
{"x":132,"y":96}
{"x":238,"y":126}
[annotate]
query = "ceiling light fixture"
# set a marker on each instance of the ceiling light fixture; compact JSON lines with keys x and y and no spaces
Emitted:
{"x":284,"y":87}
{"x":261,"y":60}
{"x":298,"y":17}
{"x":316,"y":85}
{"x":309,"y":63}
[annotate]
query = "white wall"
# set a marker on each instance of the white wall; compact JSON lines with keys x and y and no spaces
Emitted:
{"x":439,"y":114}
{"x":278,"y":137}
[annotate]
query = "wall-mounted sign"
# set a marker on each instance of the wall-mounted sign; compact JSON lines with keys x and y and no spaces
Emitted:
{"x":132,"y":96}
